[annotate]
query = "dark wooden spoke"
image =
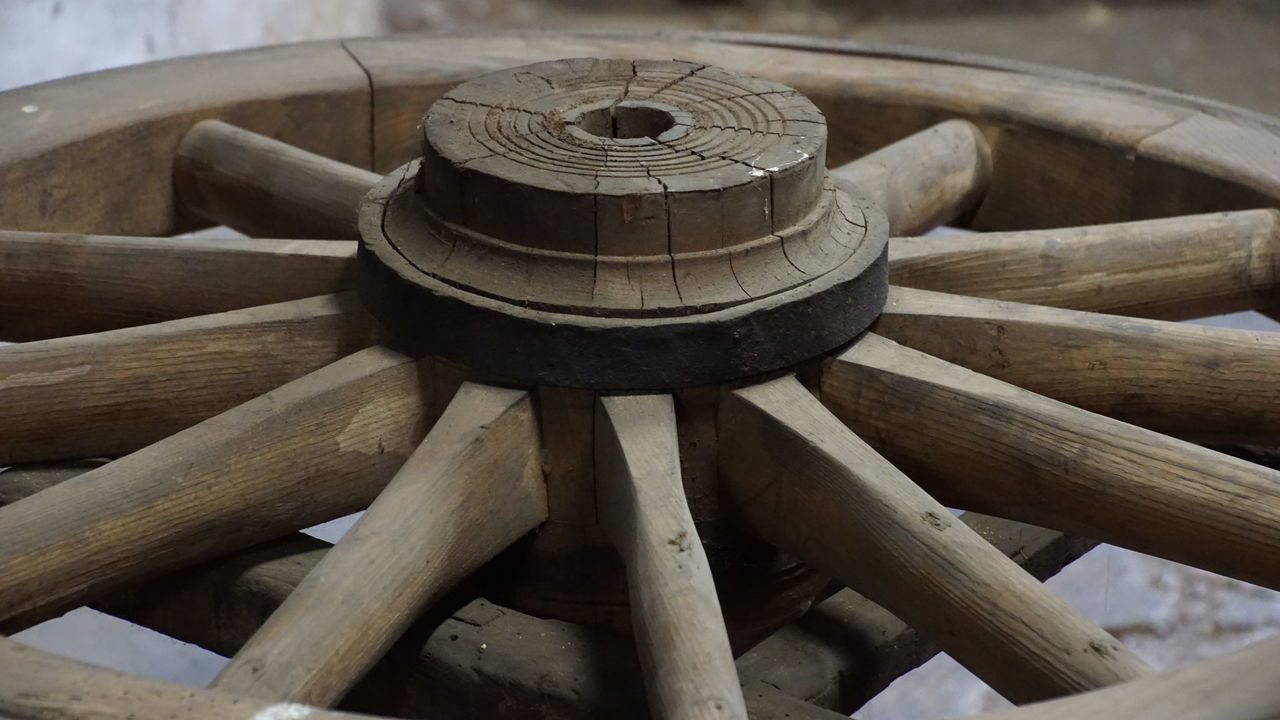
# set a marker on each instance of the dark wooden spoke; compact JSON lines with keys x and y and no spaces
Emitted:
{"x":53,"y":285}
{"x":36,"y":685}
{"x":315,"y":449}
{"x":265,"y":187}
{"x":1171,"y":269}
{"x":680,"y":634}
{"x":802,"y":480}
{"x":979,"y":443}
{"x":110,"y":393}
{"x":471,"y":488}
{"x":925,"y":180}
{"x":1200,"y":383}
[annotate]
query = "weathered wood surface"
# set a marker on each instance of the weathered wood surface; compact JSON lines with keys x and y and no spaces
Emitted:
{"x":36,"y":685}
{"x":923,"y":181}
{"x":52,"y":285}
{"x":472,"y":487}
{"x":680,"y":634}
{"x":94,"y":153}
{"x":981,"y":444}
{"x":315,"y":449}
{"x":1199,"y":383}
{"x":265,"y":187}
{"x":846,"y":649}
{"x":1239,"y":686}
{"x":804,"y":481}
{"x":838,"y":655}
{"x":111,"y":393}
{"x":1171,"y":269}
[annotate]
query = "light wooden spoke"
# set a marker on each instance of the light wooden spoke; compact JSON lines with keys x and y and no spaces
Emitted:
{"x":265,"y":187}
{"x":110,"y":393}
{"x":317,"y":448}
{"x":983,"y":444}
{"x":802,"y":480}
{"x":680,"y":634}
{"x":1239,"y":686}
{"x":471,"y":488}
{"x":53,"y":285}
{"x":36,"y":685}
{"x":1200,"y":383}
{"x":1172,"y":269}
{"x":925,"y":180}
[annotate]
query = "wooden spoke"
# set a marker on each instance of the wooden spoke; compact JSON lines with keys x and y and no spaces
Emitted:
{"x":36,"y":685}
{"x":925,"y":180}
{"x":53,"y":285}
{"x":110,"y":393}
{"x":1199,"y":383}
{"x":805,"y":482}
{"x":265,"y":187}
{"x":471,"y":488}
{"x":680,"y":634}
{"x":317,"y":448}
{"x":979,"y":443}
{"x":1239,"y":686}
{"x":1172,"y":269}
{"x":847,"y":649}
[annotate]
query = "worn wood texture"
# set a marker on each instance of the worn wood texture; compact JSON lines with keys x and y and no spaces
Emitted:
{"x":94,"y":153}
{"x":801,"y":479}
{"x":978,"y":443}
{"x":1200,"y":383}
{"x":837,"y":655}
{"x":111,"y":393}
{"x":1171,"y":269}
{"x":846,"y":649}
{"x":315,"y":449}
{"x":680,"y":634}
{"x":472,"y":487}
{"x":41,"y":686}
{"x":53,"y":285}
{"x":1239,"y":686}
{"x":925,"y":180}
{"x":265,"y":187}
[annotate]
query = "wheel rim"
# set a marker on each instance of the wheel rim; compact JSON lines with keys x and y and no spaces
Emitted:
{"x":1141,"y":157}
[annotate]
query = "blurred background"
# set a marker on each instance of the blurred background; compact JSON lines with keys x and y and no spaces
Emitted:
{"x":1225,"y":49}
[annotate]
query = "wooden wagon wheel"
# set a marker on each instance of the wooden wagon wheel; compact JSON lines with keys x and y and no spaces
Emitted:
{"x":624,"y":307}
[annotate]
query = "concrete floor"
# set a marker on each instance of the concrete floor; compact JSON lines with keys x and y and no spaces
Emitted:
{"x":1229,"y":50}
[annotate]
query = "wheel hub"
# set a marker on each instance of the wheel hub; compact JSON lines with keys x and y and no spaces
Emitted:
{"x":618,"y":224}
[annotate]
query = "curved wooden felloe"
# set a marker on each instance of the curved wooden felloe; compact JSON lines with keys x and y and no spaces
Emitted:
{"x":941,"y":139}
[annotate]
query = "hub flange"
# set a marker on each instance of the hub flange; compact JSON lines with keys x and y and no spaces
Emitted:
{"x":618,"y":224}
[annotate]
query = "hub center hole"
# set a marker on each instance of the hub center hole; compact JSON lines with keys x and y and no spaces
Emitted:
{"x":626,"y":121}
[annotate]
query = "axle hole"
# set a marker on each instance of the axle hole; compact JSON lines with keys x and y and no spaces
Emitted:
{"x":626,"y":121}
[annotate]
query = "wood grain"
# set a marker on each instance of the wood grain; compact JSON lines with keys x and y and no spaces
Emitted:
{"x":838,"y":655}
{"x":981,"y":444}
{"x":1239,"y":686}
{"x":472,"y":487}
{"x":1199,"y":383}
{"x":94,"y":153}
{"x":680,"y":634}
{"x":846,"y":649}
{"x":1170,"y":269}
{"x":925,"y":180}
{"x":261,"y":186}
{"x":317,"y":448}
{"x":802,"y":480}
{"x":111,"y":393}
{"x":53,"y":285}
{"x":41,"y":686}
